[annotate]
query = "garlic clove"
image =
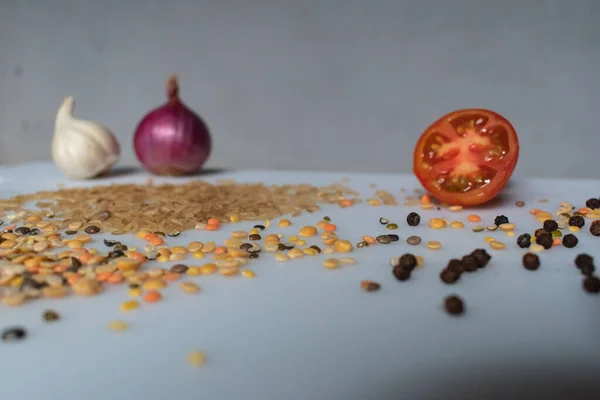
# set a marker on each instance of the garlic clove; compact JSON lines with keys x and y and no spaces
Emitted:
{"x":82,"y":149}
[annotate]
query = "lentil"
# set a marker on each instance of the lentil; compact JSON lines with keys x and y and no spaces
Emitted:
{"x":392,"y":226}
{"x":342,"y":246}
{"x":331,"y":263}
{"x":434,"y":245}
{"x":22,"y":230}
{"x":507,"y":227}
{"x":457,"y":225}
{"x":591,"y":284}
{"x":384,"y":221}
{"x":208,"y":269}
{"x":531,"y":261}
{"x":369,"y":286}
{"x":281,"y":257}
{"x":129,"y":305}
{"x":393,"y":237}
{"x":413,"y":219}
{"x":179,"y":268}
{"x":454,"y":305}
{"x":595,"y":228}
{"x":308,"y":231}
{"x":92,"y":229}
{"x":478,"y":228}
{"x":545,"y":240}
{"x":347,"y":260}
{"x":497,"y":245}
{"x":248,"y":273}
{"x":369,"y":239}
{"x":592,"y":203}
{"x":255,"y":236}
{"x":284,"y":223}
{"x":491,"y":228}
{"x":520,"y":203}
{"x":383,"y":239}
{"x":118,"y":326}
{"x":501,"y":219}
{"x":14,"y":334}
{"x":87,"y":287}
{"x":437,"y":223}
{"x":577,"y":221}
{"x":196,"y":359}
{"x":316,"y":248}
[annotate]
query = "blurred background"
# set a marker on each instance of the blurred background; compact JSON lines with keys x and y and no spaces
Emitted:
{"x":308,"y":84}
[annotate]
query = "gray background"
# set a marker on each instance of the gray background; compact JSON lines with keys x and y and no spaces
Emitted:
{"x":313,"y":84}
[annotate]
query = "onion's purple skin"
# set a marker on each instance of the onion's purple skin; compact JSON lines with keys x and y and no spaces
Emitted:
{"x":172,"y":139}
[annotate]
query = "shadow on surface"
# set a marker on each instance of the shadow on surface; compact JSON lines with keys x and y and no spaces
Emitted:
{"x":513,"y":382}
{"x":124,"y":171}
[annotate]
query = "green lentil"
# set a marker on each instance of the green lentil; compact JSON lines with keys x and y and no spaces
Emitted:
{"x":478,"y":228}
{"x":413,"y":240}
{"x":491,"y":228}
{"x":392,"y":226}
{"x":556,"y":233}
{"x":383,"y":239}
{"x":326,"y":218}
{"x":362,"y":244}
{"x":50,"y":316}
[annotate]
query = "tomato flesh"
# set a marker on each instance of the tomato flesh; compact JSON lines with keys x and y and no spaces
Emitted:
{"x":467,"y":156}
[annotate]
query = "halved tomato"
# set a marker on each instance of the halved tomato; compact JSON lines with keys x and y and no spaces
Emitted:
{"x":466,"y":157}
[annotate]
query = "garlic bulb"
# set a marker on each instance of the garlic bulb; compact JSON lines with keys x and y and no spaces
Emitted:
{"x":82,"y":149}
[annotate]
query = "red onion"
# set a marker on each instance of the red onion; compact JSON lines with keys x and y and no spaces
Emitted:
{"x":172,"y":139}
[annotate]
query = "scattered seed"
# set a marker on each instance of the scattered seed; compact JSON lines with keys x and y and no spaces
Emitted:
{"x":22,"y":230}
{"x":478,"y":228}
{"x":248,"y":273}
{"x":348,"y":260}
{"x":342,"y":246}
{"x":393,"y":237}
{"x":501,"y":219}
{"x":449,"y":276}
{"x":413,"y":219}
{"x":496,"y":245}
{"x":196,"y":359}
{"x":383,"y":239}
{"x":401,"y":273}
{"x":531,"y":261}
{"x":520,"y":203}
{"x":592,"y":203}
{"x":92,"y":229}
{"x":255,"y":236}
{"x":491,"y":228}
{"x":179,"y":268}
{"x":481,"y":256}
{"x":384,"y":221}
{"x":284,"y":223}
{"x":104,"y":215}
{"x":507,"y":227}
{"x":408,"y":261}
{"x":437,"y":223}
{"x":455,"y":208}
{"x":392,"y":226}
{"x":118,"y":326}
{"x":536,"y":248}
{"x":524,"y":240}
{"x":413,"y":240}
{"x":281,"y":257}
{"x":308,"y":231}
{"x":595,"y":228}
{"x":369,"y":286}
{"x":129,"y":305}
{"x":362,"y":244}
{"x":316,"y":248}
{"x":331,"y":263}
{"x":189,"y":287}
{"x":434,"y":245}
{"x":454,"y":305}
{"x":87,"y":287}
{"x":50,"y":316}
{"x":457,"y":225}
{"x":14,"y":334}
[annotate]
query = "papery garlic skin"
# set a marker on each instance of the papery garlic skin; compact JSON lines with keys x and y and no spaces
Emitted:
{"x":82,"y":149}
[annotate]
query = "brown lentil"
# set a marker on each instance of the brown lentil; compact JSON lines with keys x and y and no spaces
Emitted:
{"x":369,"y":286}
{"x":393,"y":237}
{"x":383,"y":239}
{"x":255,"y":236}
{"x":520,"y":203}
{"x":179,"y":268}
{"x":50,"y":316}
{"x":92,"y":229}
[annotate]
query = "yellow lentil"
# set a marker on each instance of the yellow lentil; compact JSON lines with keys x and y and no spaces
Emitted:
{"x":457,"y":225}
{"x":74,"y":244}
{"x":208,"y":269}
{"x":478,"y":228}
{"x":194,"y":246}
{"x":267,"y":223}
{"x":573,"y":229}
{"x":437,"y":223}
{"x":208,"y":247}
{"x":374,"y":202}
{"x":281,"y":257}
{"x":272,"y":238}
{"x":176,"y":257}
{"x":118,"y":326}
{"x":129,"y":305}
{"x":239,"y":253}
{"x":426,"y":206}
{"x":164,"y":251}
{"x":196,"y":358}
{"x":127,"y":264}
{"x":154,"y":284}
{"x":321,"y":224}
{"x":234,"y":218}
{"x":308,"y":231}
{"x":179,"y":250}
{"x":455,"y":208}
{"x":491,"y":228}
{"x":310,"y":251}
{"x":510,"y":234}
{"x":507,"y":227}
{"x":489,"y":239}
{"x":228,"y":263}
{"x":420,"y":261}
{"x":220,"y":257}
{"x":301,"y":242}
{"x":536,"y":248}
{"x":189,"y":287}
{"x":239,"y":234}
{"x":163,"y":258}
{"x":497,"y":245}
{"x":284,"y":223}
{"x":198,"y":254}
{"x":434,"y":245}
{"x":348,"y":260}
{"x":295,"y":253}
{"x":135,"y":292}
{"x":331,"y":263}
{"x":293,"y":238}
{"x":55,"y":291}
{"x":343,"y":246}
{"x":231,"y":242}
{"x":229,"y":271}
{"x":193,"y":270}
{"x":248,"y":273}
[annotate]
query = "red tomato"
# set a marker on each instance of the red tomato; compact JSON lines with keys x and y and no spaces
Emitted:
{"x":466,"y":157}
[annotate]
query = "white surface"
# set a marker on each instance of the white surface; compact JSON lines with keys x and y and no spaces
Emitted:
{"x":310,"y":83}
{"x":299,"y":331}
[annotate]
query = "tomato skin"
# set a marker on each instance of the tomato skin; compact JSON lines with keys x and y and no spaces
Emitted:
{"x":476,"y":196}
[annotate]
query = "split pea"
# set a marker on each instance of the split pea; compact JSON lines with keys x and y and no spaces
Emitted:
{"x":310,"y":251}
{"x":497,"y":245}
{"x":331,"y":263}
{"x":507,"y":227}
{"x":118,"y":326}
{"x":437,"y":223}
{"x":301,"y":242}
{"x":154,"y":284}
{"x":129,"y":305}
{"x":348,"y":260}
{"x":189,"y":287}
{"x":208,"y":269}
{"x":196,"y":359}
{"x":281,"y":257}
{"x":308,"y":231}
{"x":478,"y":228}
{"x":295,"y":253}
{"x":248,"y":273}
{"x":342,"y":246}
{"x":284,"y":223}
{"x":239,"y":234}
{"x":457,"y":225}
{"x":434,"y":245}
{"x":491,"y":228}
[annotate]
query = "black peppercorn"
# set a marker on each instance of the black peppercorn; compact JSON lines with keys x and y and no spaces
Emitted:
{"x":531,"y":261}
{"x":591,"y":284}
{"x":587,"y":270}
{"x":413,"y":219}
{"x":545,"y":240}
{"x":524,"y":241}
{"x":550,"y":225}
{"x":577,"y":220}
{"x":482,"y":257}
{"x":401,"y":273}
{"x":500,"y":219}
{"x":595,"y":228}
{"x":454,"y":305}
{"x":407,"y":261}
{"x":583,"y":259}
{"x":539,"y":232}
{"x":592,"y":203}
{"x":455,"y":266}
{"x":470,"y":263}
{"x":570,"y":241}
{"x":449,"y":276}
